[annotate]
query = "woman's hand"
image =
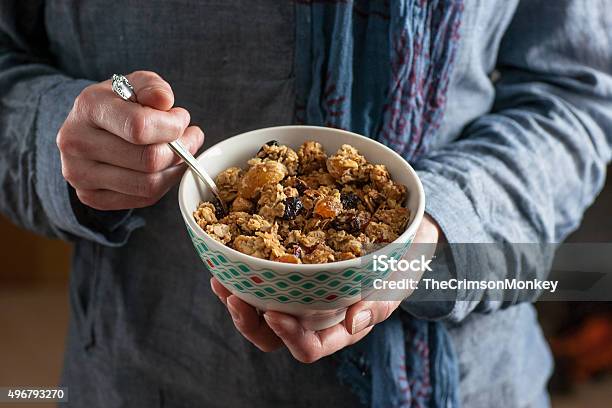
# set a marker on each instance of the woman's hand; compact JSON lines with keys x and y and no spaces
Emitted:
{"x":114,"y":152}
{"x":276,"y":329}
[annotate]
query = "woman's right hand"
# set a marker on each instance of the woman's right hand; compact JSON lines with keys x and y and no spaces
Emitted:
{"x":115,"y":154}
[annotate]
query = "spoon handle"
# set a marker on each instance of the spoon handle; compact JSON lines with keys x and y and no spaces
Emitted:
{"x":178,"y":148}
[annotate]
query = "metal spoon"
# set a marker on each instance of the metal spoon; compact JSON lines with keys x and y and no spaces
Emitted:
{"x":122,"y":87}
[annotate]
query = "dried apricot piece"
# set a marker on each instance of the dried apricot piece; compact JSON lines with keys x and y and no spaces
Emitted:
{"x":328,"y":207}
{"x":259,"y":175}
{"x":288,"y":259}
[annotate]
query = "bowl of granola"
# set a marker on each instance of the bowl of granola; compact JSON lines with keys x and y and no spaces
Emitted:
{"x":309,"y":210}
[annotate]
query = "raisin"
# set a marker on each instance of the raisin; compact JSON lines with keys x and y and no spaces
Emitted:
{"x":337,"y":224}
{"x":349,"y":200}
{"x":269,"y":143}
{"x":219,"y":213}
{"x":293,"y":205}
{"x":361,"y":221}
{"x":300,"y":186}
{"x":356,"y":225}
{"x":352,"y":226}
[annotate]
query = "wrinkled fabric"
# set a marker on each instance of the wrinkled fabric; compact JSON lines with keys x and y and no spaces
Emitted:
{"x":404,"y":362}
{"x":537,"y":160}
{"x":382,"y":69}
{"x":377,"y":68}
{"x":145,"y":331}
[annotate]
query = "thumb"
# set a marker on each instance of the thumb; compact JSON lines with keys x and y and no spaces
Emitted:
{"x":368,"y":313}
{"x":151,"y":90}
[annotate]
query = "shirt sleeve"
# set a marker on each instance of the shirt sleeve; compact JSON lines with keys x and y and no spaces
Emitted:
{"x":34,"y":102}
{"x":526,"y":172}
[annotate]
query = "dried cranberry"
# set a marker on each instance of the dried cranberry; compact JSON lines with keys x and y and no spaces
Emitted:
{"x":349,"y":200}
{"x":293,"y":205}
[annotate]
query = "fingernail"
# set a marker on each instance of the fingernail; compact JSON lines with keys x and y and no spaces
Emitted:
{"x":278,"y":326}
{"x":269,"y":320}
{"x":361,"y":321}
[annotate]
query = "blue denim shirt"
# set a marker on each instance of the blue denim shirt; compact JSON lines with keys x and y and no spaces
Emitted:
{"x":518,"y":159}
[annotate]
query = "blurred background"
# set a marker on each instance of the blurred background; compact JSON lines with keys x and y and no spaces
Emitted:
{"x":34,"y":317}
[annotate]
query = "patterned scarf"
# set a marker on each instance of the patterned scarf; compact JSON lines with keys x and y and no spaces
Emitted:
{"x":381,"y":68}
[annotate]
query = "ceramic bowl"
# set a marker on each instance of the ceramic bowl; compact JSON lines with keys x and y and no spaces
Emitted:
{"x":318,"y":294}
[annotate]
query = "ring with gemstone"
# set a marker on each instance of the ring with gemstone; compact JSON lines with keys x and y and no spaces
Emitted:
{"x":122,"y":87}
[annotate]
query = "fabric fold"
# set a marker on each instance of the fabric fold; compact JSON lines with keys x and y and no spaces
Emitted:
{"x":382,"y":69}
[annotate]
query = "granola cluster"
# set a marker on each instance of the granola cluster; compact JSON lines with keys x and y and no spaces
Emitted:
{"x":305,"y":206}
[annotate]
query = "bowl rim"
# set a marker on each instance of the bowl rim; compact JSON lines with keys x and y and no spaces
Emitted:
{"x":355,"y":262}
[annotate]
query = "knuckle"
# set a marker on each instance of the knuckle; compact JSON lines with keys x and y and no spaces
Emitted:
{"x":85,"y":102}
{"x":150,"y":186}
{"x":70,"y":173}
{"x":178,"y":129}
{"x":82,"y":100}
{"x":199,"y":137}
{"x":193,"y":139}
{"x":151,"y":158}
{"x":87,"y":197}
{"x":186,"y":117}
{"x":67,"y":143}
{"x":135,"y":127}
{"x":62,"y":142}
{"x":180,"y":122}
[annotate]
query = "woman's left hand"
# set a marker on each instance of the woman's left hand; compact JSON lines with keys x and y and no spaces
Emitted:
{"x":276,"y":329}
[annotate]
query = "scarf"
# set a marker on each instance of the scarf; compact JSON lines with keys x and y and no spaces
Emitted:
{"x":381,"y":68}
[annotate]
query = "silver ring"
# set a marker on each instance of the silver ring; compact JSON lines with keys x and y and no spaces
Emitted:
{"x":122,"y":87}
